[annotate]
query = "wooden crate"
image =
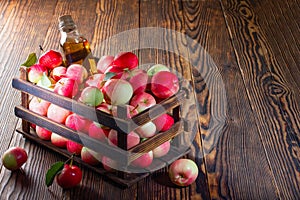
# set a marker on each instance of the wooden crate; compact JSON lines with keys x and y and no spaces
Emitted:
{"x":120,"y":123}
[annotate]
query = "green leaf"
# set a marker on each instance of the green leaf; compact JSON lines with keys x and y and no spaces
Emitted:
{"x":109,"y":75}
{"x":53,"y":171}
{"x":31,"y":60}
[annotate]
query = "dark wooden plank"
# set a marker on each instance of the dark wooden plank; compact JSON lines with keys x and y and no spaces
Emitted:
{"x":273,"y":91}
{"x":234,"y":155}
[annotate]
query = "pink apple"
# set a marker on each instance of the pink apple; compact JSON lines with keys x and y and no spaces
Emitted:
{"x":77,"y":122}
{"x":57,"y":114}
{"x":117,"y":91}
{"x":164,"y":122}
{"x":117,"y":71}
{"x":58,"y":72}
{"x":183,"y":172}
{"x":39,"y":106}
{"x":66,"y":87}
{"x":98,"y":131}
{"x":138,"y":79}
{"x":88,"y":156}
{"x":143,"y":161}
{"x":51,"y":59}
{"x":36,"y":72}
{"x":164,"y":84}
{"x":104,"y":63}
{"x":73,"y":147}
{"x":131,"y":111}
{"x":133,"y":138}
{"x":109,"y":164}
{"x":58,"y":140}
{"x":95,"y":80}
{"x":162,"y":149}
{"x":125,"y":60}
{"x":43,"y":133}
{"x":142,"y":101}
{"x":77,"y":72}
{"x":147,"y":130}
{"x":105,"y":107}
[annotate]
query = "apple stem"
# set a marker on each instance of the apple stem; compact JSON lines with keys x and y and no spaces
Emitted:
{"x":41,"y":48}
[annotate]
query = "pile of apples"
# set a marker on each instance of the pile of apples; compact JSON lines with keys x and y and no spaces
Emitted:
{"x":118,"y":81}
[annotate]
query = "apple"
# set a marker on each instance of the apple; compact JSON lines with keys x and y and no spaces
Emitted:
{"x":51,"y":59}
{"x":77,"y":72}
{"x":142,"y":101}
{"x":66,"y":87}
{"x":98,"y":131}
{"x":58,"y":72}
{"x":95,"y":80}
{"x":73,"y":147}
{"x":164,"y":122}
{"x":133,"y":138}
{"x":104,"y":63}
{"x":36,"y":72}
{"x":109,"y":164}
{"x":91,"y":96}
{"x":183,"y":172}
{"x":58,"y":140}
{"x":117,"y":91}
{"x":131,"y":111}
{"x":125,"y":60}
{"x":138,"y":79}
{"x":88,"y":156}
{"x":57,"y":114}
{"x":162,"y":149}
{"x":77,"y":122}
{"x":144,"y":160}
{"x":157,"y":68}
{"x":105,"y":107}
{"x":69,"y":177}
{"x":117,"y":72}
{"x":14,"y":157}
{"x":164,"y":84}
{"x":147,"y":130}
{"x":39,"y":106}
{"x":43,"y":133}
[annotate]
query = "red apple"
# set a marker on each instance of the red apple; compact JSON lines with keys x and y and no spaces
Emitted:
{"x":66,"y":87}
{"x":57,"y":114}
{"x":43,"y":133}
{"x":117,"y":91}
{"x":164,"y":84}
{"x":98,"y":131}
{"x":183,"y":172}
{"x":142,"y":101}
{"x":147,"y":130}
{"x":58,"y":72}
{"x":143,"y":161}
{"x":162,"y":149}
{"x":133,"y":138}
{"x":88,"y":156}
{"x":14,"y":158}
{"x":39,"y":106}
{"x":138,"y":79}
{"x":69,"y":177}
{"x":117,"y":71}
{"x":51,"y":59}
{"x":125,"y":60}
{"x":77,"y":72}
{"x":36,"y":72}
{"x":58,"y":140}
{"x":95,"y":80}
{"x":164,"y":122}
{"x":74,"y":147}
{"x":104,"y":63}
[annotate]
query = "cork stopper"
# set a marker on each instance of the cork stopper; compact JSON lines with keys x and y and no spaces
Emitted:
{"x":65,"y":21}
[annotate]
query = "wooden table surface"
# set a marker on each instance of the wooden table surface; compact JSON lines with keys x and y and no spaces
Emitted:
{"x":242,"y":58}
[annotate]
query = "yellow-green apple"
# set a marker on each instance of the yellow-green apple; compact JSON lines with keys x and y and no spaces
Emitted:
{"x":77,"y":72}
{"x":57,"y":113}
{"x":36,"y":72}
{"x":91,"y":96}
{"x":89,"y":156}
{"x":74,"y":147}
{"x":125,"y":60}
{"x":162,"y":149}
{"x":183,"y":172}
{"x":43,"y":133}
{"x":133,"y":138}
{"x":58,"y":72}
{"x":95,"y":80}
{"x":103,"y":63}
{"x":146,"y":130}
{"x":98,"y":131}
{"x":164,"y":84}
{"x":138,"y":79}
{"x":164,"y":122}
{"x":117,"y":91}
{"x":142,"y":101}
{"x":39,"y":106}
{"x":14,"y":157}
{"x":66,"y":87}
{"x":144,"y":160}
{"x":51,"y":59}
{"x":157,"y":68}
{"x":69,"y":177}
{"x":58,"y":140}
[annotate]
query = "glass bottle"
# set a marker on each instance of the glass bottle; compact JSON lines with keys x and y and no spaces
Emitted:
{"x":75,"y":47}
